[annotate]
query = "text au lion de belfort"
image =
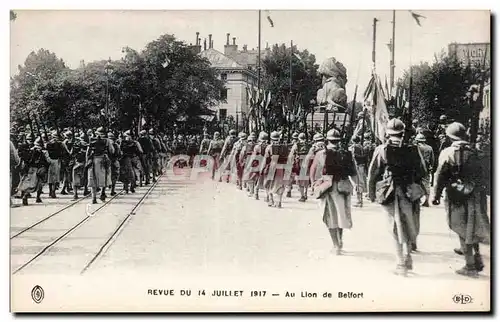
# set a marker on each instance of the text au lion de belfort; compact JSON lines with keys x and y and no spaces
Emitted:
{"x":252,"y":294}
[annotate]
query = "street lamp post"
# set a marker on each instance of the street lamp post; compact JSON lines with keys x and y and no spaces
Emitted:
{"x":108,"y":70}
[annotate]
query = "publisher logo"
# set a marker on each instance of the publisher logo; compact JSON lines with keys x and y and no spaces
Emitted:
{"x":37,"y":294}
{"x":462,"y":299}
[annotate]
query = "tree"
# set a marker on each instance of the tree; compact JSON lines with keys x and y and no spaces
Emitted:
{"x":439,"y":89}
{"x":294,"y":100}
{"x":167,"y":79}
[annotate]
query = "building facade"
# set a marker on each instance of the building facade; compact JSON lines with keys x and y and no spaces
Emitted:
{"x":238,"y":68}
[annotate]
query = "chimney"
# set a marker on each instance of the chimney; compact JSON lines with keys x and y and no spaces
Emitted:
{"x":197,"y":38}
{"x":210,"y":41}
{"x":227,"y":39}
{"x":244,"y":47}
{"x":205,"y":44}
{"x":234,"y":41}
{"x":212,"y":44}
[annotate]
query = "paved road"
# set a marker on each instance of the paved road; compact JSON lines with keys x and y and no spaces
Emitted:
{"x":205,"y":228}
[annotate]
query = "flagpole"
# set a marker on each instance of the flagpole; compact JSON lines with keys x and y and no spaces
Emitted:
{"x":258,"y":62}
{"x":373,"y":75}
{"x":290,"y":109}
{"x":393,"y":49}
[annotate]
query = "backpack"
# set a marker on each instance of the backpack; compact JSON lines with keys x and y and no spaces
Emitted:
{"x":464,"y":179}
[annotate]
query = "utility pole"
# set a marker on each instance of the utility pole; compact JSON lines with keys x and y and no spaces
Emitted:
{"x":374,"y":104}
{"x":258,"y":69}
{"x":393,"y":49}
{"x":375,"y":20}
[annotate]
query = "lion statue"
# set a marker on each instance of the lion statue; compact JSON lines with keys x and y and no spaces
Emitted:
{"x":333,"y":93}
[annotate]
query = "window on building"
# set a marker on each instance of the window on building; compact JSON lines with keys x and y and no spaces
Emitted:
{"x":223,"y":76}
{"x":223,"y":94}
{"x":222,"y":113}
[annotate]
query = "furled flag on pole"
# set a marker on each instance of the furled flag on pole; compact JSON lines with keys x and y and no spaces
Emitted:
{"x":417,"y":17}
{"x":269,"y":18}
{"x":166,"y":62}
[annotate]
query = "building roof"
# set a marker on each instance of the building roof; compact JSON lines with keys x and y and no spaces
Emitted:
{"x":219,"y":60}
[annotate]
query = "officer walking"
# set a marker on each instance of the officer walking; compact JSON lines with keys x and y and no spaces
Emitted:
{"x":428,"y":156}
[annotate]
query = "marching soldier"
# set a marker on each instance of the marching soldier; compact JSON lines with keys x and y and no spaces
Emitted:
{"x":115,"y":162}
{"x":192,"y":149}
{"x":66,"y":167}
{"x":244,"y":160}
{"x":258,"y":153}
{"x":428,"y":156}
{"x":226,"y":152}
{"x":15,"y":161}
{"x":275,"y":185}
{"x":78,"y":171}
{"x":461,"y":172}
{"x":318,"y":145}
{"x":214,"y":150}
{"x":332,"y":172}
{"x":235,"y":155}
{"x":205,"y":144}
{"x":57,"y":152}
{"x":360,"y":160}
{"x":299,"y":153}
{"x":295,"y":138}
{"x":155,"y":158}
{"x":147,"y":156}
{"x":35,"y":172}
{"x":131,"y":152}
{"x":394,"y":177}
{"x":98,"y":162}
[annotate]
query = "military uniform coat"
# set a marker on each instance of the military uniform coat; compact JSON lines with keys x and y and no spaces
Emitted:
{"x":467,"y":216}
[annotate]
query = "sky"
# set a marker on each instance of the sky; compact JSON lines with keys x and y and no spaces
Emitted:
{"x":346,"y":35}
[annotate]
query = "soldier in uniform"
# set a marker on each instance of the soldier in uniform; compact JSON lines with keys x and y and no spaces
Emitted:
{"x":299,"y":153}
{"x":275,"y":185}
{"x":462,"y":173}
{"x":147,"y":156}
{"x":34,"y":172}
{"x":244,"y":158}
{"x":115,"y":162}
{"x":205,"y":144}
{"x":214,"y":150}
{"x":78,"y":173}
{"x":192,"y":149}
{"x":235,"y":156}
{"x":428,"y":155}
{"x":131,"y":150}
{"x":66,"y":167}
{"x":57,"y":152}
{"x":98,"y":162}
{"x":257,"y":176}
{"x":394,"y":181}
{"x":318,"y":145}
{"x":360,"y":160}
{"x":226,"y":152}
{"x":15,"y":161}
{"x":332,"y":172}
{"x":295,"y":138}
{"x":155,"y":158}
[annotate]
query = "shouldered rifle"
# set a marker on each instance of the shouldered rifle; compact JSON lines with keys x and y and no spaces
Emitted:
{"x":350,"y":129}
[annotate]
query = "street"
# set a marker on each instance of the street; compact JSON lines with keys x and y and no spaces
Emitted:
{"x":204,"y":228}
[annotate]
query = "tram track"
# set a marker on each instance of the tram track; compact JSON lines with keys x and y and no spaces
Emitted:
{"x":79,"y":224}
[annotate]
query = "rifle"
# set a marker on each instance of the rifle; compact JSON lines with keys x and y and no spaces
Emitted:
{"x":351,"y":121}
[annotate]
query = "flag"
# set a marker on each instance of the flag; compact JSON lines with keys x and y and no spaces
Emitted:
{"x":299,"y":58}
{"x":417,"y":17}
{"x":387,"y":92}
{"x":381,"y":115}
{"x":269,"y":18}
{"x":166,"y":62}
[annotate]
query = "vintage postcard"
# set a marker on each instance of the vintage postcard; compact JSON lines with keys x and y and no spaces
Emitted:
{"x":250,"y":161}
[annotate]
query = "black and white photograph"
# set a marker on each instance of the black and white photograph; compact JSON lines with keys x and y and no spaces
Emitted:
{"x":256,"y":160}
